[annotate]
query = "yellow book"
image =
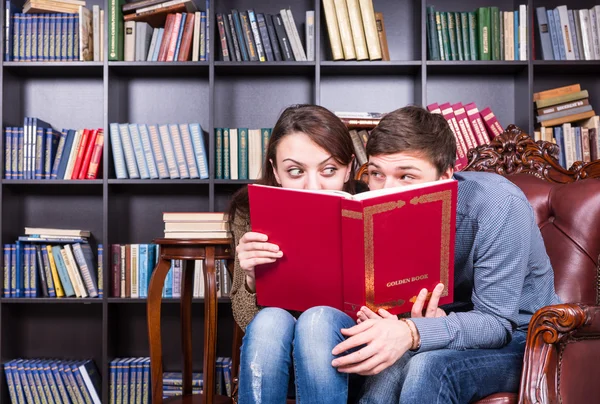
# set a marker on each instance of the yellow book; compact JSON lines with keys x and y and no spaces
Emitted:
{"x":332,"y":28}
{"x":57,"y":285}
{"x":343,"y":20}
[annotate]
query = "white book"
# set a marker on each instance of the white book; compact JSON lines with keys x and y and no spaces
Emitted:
{"x":370,"y":25}
{"x":523,"y":32}
{"x":143,"y":36}
{"x":83,"y":370}
{"x":233,"y":153}
{"x":129,"y":41}
{"x":134,"y":250}
{"x":165,"y":138}
{"x":196,"y":38}
{"x":294,"y":28}
{"x":161,"y":32}
{"x":310,"y":35}
{"x":586,"y":39}
{"x":298,"y":51}
{"x":97,"y":32}
{"x":597,"y":33}
{"x":254,"y":153}
{"x":101,"y":35}
{"x":594,"y":33}
{"x":74,"y":271}
{"x":566,"y":32}
{"x":152,"y":45}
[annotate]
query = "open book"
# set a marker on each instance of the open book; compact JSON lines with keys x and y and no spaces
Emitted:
{"x":377,"y":248}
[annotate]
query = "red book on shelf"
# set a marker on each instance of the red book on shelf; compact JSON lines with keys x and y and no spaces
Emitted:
{"x":377,"y":248}
{"x":87,"y":157}
{"x":491,"y":122}
{"x":477,"y":124}
{"x":94,"y":164}
{"x":434,"y":108}
{"x":461,"y":147}
{"x":85,"y":136}
{"x":464,"y":126}
{"x":164,"y":44}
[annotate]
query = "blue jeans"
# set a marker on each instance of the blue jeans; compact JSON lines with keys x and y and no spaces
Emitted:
{"x":277,"y":350}
{"x":448,"y":376}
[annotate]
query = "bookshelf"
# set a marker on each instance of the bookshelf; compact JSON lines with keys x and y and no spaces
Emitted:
{"x":216,"y":94}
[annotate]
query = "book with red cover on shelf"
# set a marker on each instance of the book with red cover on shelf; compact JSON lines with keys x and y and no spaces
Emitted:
{"x":378,"y":248}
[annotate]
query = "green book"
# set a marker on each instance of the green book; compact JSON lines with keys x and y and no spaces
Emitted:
{"x":495,"y":33}
{"x":452,"y":36}
{"x":459,"y":38}
{"x":445,"y":39}
{"x":438,"y":28}
{"x":473,"y":44}
{"x":464,"y":24}
{"x":243,"y":153}
{"x":226,"y":155}
{"x":432,"y":35}
{"x":116,"y":34}
{"x":483,"y":33}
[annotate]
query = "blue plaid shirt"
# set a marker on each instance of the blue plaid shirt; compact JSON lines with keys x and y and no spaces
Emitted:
{"x":502,"y":273}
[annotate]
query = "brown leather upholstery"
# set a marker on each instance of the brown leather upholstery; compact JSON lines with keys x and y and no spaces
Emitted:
{"x":562,"y":357}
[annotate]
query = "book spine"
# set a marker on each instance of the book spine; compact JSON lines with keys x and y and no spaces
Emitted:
{"x":115,"y":30}
{"x":461,"y":147}
{"x":248,"y":37}
{"x":477,"y":124}
{"x":484,"y":32}
{"x":368,"y":17}
{"x":381,"y":33}
{"x":335,"y":42}
{"x":86,"y":269}
{"x":222,"y":37}
{"x":96,"y":157}
{"x":464,"y":126}
{"x":491,"y":122}
{"x":243,"y":153}
{"x":157,"y":151}
{"x":239,"y":33}
{"x":264,"y":35}
{"x":284,"y":41}
{"x":167,"y":145}
{"x":256,"y":34}
{"x":234,"y":38}
{"x":188,"y":150}
{"x":354,"y":263}
{"x":116,"y":270}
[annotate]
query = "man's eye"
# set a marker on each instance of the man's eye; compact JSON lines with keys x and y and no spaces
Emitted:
{"x":376,"y":174}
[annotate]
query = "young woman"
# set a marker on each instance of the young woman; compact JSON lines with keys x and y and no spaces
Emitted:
{"x":282,"y":352}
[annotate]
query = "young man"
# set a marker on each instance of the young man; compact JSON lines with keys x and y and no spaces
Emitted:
{"x":502,"y":276}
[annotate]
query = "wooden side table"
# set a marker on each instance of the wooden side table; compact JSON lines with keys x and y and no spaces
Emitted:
{"x":187,"y":250}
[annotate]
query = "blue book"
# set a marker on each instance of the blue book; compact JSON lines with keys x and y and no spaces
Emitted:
{"x":157,"y":151}
{"x":7,"y":264}
{"x":179,"y":36}
{"x":60,"y":148}
{"x":146,"y":381}
{"x":27,"y":37}
{"x":208,"y":28}
{"x":91,"y":379}
{"x":70,"y":382}
{"x":87,"y":267}
{"x":47,"y":33}
{"x":159,"y":37}
{"x":168,"y":288}
{"x":9,"y":16}
{"x":58,"y":34}
{"x":14,"y":152}
{"x":20,"y":153}
{"x":112,"y":369}
{"x":48,"y":271}
{"x":167,"y":145}
{"x":60,"y":383}
{"x":132,"y":386}
{"x":560,"y":141}
{"x":199,"y":149}
{"x":26,"y":273}
{"x":178,"y":150}
{"x":126,"y":366}
{"x":40,"y":148}
{"x":139,"y":381}
{"x":49,"y":378}
{"x":70,"y":31}
{"x":117,"y":151}
{"x":128,"y":151}
{"x":138,"y":151}
{"x":64,"y":51}
{"x":100,"y":270}
{"x":578,"y":150}
{"x":143,"y":265}
{"x":34,"y":37}
{"x":12,"y":388}
{"x":21,"y":365}
{"x":37,"y":380}
{"x":20,"y":264}
{"x":239,"y":32}
{"x":42,"y":367}
{"x":13,"y":270}
{"x":62,"y":271}
{"x":79,"y":383}
{"x":545,"y":31}
{"x":559,"y":34}
{"x":50,"y":146}
{"x":31,"y":381}
{"x":147,"y":149}
{"x":76,"y":55}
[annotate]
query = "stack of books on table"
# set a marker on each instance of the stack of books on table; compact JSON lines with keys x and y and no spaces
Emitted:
{"x":561,"y":105}
{"x":196,"y":225}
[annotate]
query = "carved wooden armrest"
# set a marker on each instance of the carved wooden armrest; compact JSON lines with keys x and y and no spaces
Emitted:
{"x":550,"y":328}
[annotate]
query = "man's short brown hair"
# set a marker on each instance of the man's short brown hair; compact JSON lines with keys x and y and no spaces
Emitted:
{"x":416,"y":130}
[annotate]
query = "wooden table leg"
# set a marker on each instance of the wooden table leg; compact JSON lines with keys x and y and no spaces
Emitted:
{"x":210,"y":322}
{"x":187,"y":288}
{"x":153,"y":312}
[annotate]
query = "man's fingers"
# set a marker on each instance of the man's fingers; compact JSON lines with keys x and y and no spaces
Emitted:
{"x":432,"y":307}
{"x":386,"y":314}
{"x":364,"y":367}
{"x":354,"y":357}
{"x":417,"y":309}
{"x":369,"y":313}
{"x":351,"y":341}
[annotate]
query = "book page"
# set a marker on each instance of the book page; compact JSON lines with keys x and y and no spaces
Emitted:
{"x":396,"y":190}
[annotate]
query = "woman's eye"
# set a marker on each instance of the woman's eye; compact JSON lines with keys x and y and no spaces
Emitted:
{"x":330,"y":171}
{"x":295,"y":172}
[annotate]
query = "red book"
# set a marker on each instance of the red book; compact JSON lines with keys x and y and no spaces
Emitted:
{"x":477,"y":124}
{"x":80,"y":153}
{"x":434,"y":108}
{"x":461,"y":147}
{"x":491,"y":122}
{"x":186,"y":39}
{"x":92,"y":171}
{"x":377,"y":248}
{"x":164,"y":44}
{"x":463,"y":124}
{"x":88,"y":154}
{"x":174,"y":38}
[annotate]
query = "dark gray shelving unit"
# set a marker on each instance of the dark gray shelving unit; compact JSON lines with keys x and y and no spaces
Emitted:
{"x":217,"y":94}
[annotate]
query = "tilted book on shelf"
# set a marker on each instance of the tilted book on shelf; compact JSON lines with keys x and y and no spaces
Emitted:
{"x":377,"y":248}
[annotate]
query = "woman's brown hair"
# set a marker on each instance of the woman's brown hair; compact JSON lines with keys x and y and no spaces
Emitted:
{"x":321,"y":125}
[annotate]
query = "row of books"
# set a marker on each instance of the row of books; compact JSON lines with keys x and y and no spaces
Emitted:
{"x":576,"y":142}
{"x":471,"y":127}
{"x":249,"y":36}
{"x":179,"y":40}
{"x":356,"y":31}
{"x":132,"y":266}
{"x":240,"y":152}
{"x":158,"y":151}
{"x":560,"y":105}
{"x":36,"y":151}
{"x":53,"y":37}
{"x":51,"y":268}
{"x":484,"y":34}
{"x":135,"y":26}
{"x":567,"y":34}
{"x":53,"y":381}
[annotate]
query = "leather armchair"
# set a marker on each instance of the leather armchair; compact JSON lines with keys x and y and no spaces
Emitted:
{"x":562,"y":355}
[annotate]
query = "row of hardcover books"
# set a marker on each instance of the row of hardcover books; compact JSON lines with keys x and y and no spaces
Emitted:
{"x":181,"y":39}
{"x":471,"y":127}
{"x":249,"y":36}
{"x":158,"y":151}
{"x":356,"y":31}
{"x":576,"y":142}
{"x":484,"y":34}
{"x":53,"y":381}
{"x":53,"y":37}
{"x":567,"y":34}
{"x":36,"y":151}
{"x":48,"y":269}
{"x":239,"y":152}
{"x":132,"y":266}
